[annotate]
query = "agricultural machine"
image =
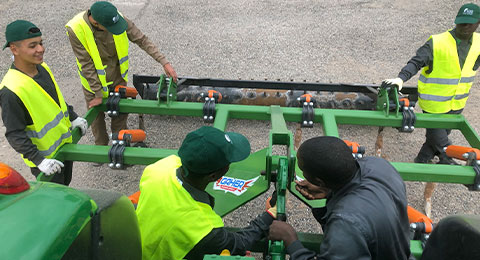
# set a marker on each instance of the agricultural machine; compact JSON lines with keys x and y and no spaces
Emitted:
{"x":86,"y":229}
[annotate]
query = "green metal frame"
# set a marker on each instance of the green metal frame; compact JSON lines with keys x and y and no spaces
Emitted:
{"x":282,"y":166}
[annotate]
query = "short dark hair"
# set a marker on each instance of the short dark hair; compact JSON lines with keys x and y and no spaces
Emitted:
{"x":329,"y":159}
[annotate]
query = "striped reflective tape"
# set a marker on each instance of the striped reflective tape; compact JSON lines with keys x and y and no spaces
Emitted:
{"x":443,"y":81}
{"x":55,"y":145}
{"x":124,"y":74}
{"x":124,"y":59}
{"x":441,"y":98}
{"x":49,"y":126}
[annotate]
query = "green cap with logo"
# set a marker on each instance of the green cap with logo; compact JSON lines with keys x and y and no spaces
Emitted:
{"x":468,"y":13}
{"x":20,"y":30}
{"x":208,"y":149}
{"x":107,"y":15}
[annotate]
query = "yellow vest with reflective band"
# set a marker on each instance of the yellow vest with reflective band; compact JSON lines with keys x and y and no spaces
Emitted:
{"x":447,"y":87}
{"x":171,"y":221}
{"x":51,"y":123}
{"x":85,"y":35}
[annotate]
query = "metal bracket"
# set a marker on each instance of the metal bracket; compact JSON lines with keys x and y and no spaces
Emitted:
{"x":472,"y":161}
{"x":115,"y":154}
{"x":171,"y":89}
{"x":209,"y":105}
{"x":357,"y":151}
{"x":308,"y":111}
{"x":409,"y":117}
{"x":113,"y":108}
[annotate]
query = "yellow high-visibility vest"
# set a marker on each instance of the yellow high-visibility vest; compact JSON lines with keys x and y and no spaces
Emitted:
{"x":51,"y":124}
{"x":85,"y":35}
{"x":171,"y":221}
{"x":447,"y":87}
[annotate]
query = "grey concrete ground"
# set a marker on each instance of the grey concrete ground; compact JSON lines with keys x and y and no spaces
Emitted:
{"x":341,"y":41}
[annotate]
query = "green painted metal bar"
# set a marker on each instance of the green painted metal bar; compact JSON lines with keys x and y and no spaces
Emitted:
{"x":292,"y":114}
{"x":329,"y":124}
{"x":221,"y":119}
{"x":99,"y":153}
{"x":312,"y":241}
{"x":416,"y":248}
{"x":145,"y":156}
{"x":435,"y":172}
{"x":470,"y":135}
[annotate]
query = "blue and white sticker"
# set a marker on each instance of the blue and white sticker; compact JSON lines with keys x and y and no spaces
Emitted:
{"x":233,"y":185}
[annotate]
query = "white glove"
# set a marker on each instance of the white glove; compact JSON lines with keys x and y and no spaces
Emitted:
{"x":395,"y":81}
{"x":50,"y":166}
{"x":81,"y":123}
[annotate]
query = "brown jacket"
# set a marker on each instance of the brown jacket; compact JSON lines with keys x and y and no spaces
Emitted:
{"x":108,"y":53}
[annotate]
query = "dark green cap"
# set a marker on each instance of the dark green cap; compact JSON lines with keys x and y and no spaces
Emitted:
{"x":20,"y":30}
{"x":208,"y":149}
{"x":107,"y":15}
{"x":468,"y":13}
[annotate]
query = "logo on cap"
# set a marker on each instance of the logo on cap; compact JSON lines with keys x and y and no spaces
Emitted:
{"x":116,"y":18}
{"x":228,"y":138}
{"x":467,"y":11}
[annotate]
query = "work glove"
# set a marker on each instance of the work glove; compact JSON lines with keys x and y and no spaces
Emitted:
{"x":395,"y":81}
{"x":50,"y":166}
{"x":271,"y":204}
{"x":81,"y":123}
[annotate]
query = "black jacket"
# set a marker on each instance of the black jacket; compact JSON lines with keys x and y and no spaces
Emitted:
{"x":365,"y":219}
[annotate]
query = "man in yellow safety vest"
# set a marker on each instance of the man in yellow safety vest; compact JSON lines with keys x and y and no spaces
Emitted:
{"x":175,"y":213}
{"x":449,"y":62}
{"x":100,"y":38}
{"x":34,"y":112}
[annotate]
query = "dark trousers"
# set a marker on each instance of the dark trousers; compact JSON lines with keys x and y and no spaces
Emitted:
{"x":436,"y":139}
{"x":64,"y":177}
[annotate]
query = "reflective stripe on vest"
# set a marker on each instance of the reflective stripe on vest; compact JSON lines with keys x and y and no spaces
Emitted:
{"x":447,"y":87}
{"x":51,"y":124}
{"x":171,"y":222}
{"x":85,"y":36}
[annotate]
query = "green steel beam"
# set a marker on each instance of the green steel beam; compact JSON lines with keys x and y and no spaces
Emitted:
{"x":146,"y":156}
{"x":312,"y":241}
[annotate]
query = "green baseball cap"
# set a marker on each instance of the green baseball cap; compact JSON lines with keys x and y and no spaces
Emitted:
{"x":107,"y":15}
{"x":468,"y":13}
{"x":20,"y":30}
{"x":208,"y":149}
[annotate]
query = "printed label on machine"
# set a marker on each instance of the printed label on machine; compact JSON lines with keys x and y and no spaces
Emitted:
{"x":233,"y":185}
